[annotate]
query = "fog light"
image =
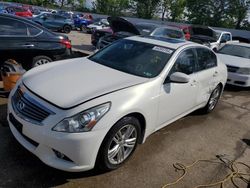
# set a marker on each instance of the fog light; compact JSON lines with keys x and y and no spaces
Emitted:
{"x":61,"y":156}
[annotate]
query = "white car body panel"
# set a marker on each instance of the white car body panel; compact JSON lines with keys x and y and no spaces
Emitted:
{"x":74,"y":89}
{"x":235,"y":77}
{"x":78,"y":74}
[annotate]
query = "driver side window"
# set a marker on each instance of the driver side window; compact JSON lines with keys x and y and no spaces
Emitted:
{"x":185,"y":63}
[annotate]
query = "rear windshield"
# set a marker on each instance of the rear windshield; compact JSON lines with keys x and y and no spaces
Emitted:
{"x":134,"y":57}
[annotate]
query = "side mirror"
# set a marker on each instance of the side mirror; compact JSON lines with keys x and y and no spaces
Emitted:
{"x":179,"y":77}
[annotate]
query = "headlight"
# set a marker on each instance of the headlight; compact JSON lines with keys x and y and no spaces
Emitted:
{"x":243,"y":71}
{"x":83,"y":121}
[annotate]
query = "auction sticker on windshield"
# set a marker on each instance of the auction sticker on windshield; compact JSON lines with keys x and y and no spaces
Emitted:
{"x":164,"y":50}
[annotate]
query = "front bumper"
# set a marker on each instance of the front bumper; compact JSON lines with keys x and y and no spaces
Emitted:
{"x":80,"y":149}
{"x":238,"y":79}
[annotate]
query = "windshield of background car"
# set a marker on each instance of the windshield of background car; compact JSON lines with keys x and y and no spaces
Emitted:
{"x":133,"y":57}
{"x":217,"y":34}
{"x":236,"y":50}
{"x":166,"y":32}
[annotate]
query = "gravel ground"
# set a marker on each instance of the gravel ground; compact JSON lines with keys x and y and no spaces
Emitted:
{"x":225,"y":131}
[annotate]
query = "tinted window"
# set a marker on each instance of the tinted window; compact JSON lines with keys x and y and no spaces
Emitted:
{"x":206,"y":59}
{"x":236,"y":50}
{"x":133,"y":57}
{"x":33,"y":30}
{"x":185,"y":63}
{"x":12,"y":27}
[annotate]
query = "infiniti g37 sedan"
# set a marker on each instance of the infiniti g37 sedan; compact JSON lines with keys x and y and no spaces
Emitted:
{"x":104,"y":105}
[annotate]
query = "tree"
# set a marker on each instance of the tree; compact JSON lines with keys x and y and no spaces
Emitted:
{"x":174,"y":9}
{"x":111,"y":7}
{"x":238,"y":11}
{"x":210,"y":12}
{"x":218,"y":13}
{"x":145,"y":8}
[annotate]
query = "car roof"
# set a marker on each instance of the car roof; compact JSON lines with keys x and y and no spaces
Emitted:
{"x":220,"y":31}
{"x":163,"y":41}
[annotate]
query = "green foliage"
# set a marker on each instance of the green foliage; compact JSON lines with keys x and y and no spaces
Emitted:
{"x":218,"y":13}
{"x":111,"y":7}
{"x":174,"y":8}
{"x":145,"y":8}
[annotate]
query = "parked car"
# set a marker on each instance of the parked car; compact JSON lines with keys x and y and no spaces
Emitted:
{"x":209,"y":37}
{"x":100,"y":24}
{"x":138,"y":85}
{"x":122,"y":28}
{"x":97,"y":34}
{"x":82,"y":21}
{"x":236,"y":56}
{"x":19,"y":11}
{"x":168,"y":31}
{"x":29,"y":43}
{"x":54,"y":22}
{"x":185,"y":29}
{"x":2,"y":10}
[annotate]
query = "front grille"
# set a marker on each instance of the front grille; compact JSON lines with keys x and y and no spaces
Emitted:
{"x":232,"y":69}
{"x":28,"y":108}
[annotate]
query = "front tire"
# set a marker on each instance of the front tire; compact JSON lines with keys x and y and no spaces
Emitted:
{"x":213,"y":100}
{"x":119,"y":144}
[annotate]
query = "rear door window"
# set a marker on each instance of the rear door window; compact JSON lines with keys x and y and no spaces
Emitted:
{"x":12,"y":27}
{"x":206,"y":59}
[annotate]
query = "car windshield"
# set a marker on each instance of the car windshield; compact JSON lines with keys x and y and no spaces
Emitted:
{"x":167,"y":32}
{"x":236,"y":50}
{"x":133,"y":57}
{"x":217,"y":34}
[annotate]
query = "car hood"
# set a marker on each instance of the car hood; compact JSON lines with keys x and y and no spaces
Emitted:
{"x":118,"y":24}
{"x":234,"y":61}
{"x":69,"y":83}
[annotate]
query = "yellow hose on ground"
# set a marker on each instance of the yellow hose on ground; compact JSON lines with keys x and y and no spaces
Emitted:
{"x":232,"y":165}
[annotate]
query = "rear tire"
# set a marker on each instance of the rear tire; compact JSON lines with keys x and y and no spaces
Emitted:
{"x":66,"y":29}
{"x":119,"y":144}
{"x":213,"y":100}
{"x":40,"y":60}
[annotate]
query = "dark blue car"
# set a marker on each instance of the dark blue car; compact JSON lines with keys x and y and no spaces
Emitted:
{"x":82,"y":21}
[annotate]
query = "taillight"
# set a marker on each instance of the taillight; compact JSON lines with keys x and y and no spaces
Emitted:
{"x":67,"y":43}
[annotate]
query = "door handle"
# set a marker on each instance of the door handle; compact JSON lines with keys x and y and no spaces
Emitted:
{"x":194,"y":83}
{"x":215,"y":74}
{"x":28,"y":45}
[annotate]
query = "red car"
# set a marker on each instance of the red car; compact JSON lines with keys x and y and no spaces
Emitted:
{"x":19,"y":11}
{"x":185,"y":29}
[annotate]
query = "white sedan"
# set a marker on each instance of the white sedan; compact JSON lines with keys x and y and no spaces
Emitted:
{"x":81,"y":113}
{"x":236,"y":56}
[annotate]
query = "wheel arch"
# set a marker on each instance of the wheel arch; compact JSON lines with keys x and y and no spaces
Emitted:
{"x":142,"y":120}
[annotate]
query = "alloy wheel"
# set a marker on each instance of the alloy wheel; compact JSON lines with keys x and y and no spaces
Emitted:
{"x":41,"y":62}
{"x":214,"y":98}
{"x":122,"y":144}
